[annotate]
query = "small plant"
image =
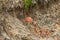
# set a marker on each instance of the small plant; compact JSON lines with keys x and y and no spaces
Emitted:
{"x":27,"y":4}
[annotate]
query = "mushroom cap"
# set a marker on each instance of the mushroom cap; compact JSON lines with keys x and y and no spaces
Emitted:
{"x":1,"y":38}
{"x":28,"y":20}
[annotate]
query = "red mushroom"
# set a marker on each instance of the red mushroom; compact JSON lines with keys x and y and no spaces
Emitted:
{"x":28,"y":20}
{"x":1,"y":38}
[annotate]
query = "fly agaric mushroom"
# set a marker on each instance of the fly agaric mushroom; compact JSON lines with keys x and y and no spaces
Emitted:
{"x":28,"y":20}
